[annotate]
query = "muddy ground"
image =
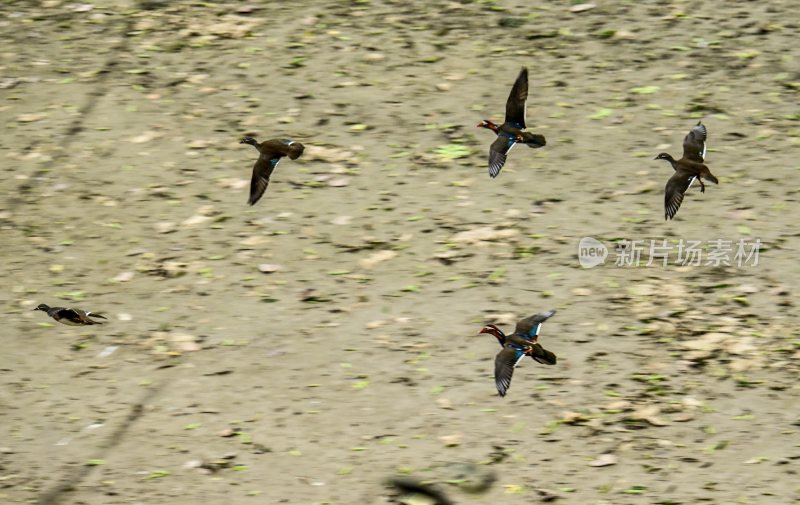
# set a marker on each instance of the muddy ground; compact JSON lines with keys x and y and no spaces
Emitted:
{"x":305,"y":349}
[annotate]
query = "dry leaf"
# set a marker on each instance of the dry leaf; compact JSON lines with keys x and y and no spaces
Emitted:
{"x":269,"y":268}
{"x":604,"y":460}
{"x":376,"y":258}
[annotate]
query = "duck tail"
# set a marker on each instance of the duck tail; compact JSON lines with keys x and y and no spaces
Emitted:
{"x":534,"y":140}
{"x":542,"y":355}
{"x":711,"y":178}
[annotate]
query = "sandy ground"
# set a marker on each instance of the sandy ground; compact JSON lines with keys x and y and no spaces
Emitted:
{"x":303,"y":350}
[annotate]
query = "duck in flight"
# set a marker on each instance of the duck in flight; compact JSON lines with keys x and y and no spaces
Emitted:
{"x":71,"y":317}
{"x":689,"y":168}
{"x":523,"y":342}
{"x":511,"y":132}
{"x":270,"y":153}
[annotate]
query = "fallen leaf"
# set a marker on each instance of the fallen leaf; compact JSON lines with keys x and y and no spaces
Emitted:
{"x":269,"y":268}
{"x":604,"y":460}
{"x":376,"y":258}
{"x":582,"y":7}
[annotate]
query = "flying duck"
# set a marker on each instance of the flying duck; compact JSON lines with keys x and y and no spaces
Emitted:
{"x":510,"y":132}
{"x":687,"y":169}
{"x":523,"y":342}
{"x":72,"y":317}
{"x":270,"y":153}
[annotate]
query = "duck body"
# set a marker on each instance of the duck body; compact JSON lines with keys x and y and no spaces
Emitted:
{"x":691,"y":167}
{"x":270,"y":153}
{"x":70,"y":316}
{"x":511,"y":132}
{"x":523,"y":342}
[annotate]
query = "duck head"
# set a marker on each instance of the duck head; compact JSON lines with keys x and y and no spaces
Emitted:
{"x":488,"y":124}
{"x":249,"y":140}
{"x":495,"y":331}
{"x":665,"y":156}
{"x":42,"y":306}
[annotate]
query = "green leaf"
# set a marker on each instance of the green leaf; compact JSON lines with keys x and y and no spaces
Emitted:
{"x":358,"y":386}
{"x":635,"y":490}
{"x":453,"y":151}
{"x":156,"y":474}
{"x":645,"y":90}
{"x":601,"y":114}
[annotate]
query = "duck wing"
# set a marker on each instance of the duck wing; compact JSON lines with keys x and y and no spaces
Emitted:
{"x":504,"y":364}
{"x":71,"y":317}
{"x":497,"y":154}
{"x":515,"y":105}
{"x":673,"y":192}
{"x":262,"y":171}
{"x":694,"y":144}
{"x":529,"y":327}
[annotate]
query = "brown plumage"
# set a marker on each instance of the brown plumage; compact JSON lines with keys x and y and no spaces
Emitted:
{"x":270,"y":153}
{"x":71,"y":317}
{"x":689,"y":168}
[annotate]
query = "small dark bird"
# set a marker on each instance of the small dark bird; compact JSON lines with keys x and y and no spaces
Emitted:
{"x":270,"y":153}
{"x":510,"y":132}
{"x":72,"y":317}
{"x":687,"y":169}
{"x":523,"y":342}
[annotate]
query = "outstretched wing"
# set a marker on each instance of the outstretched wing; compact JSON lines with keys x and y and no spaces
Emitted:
{"x":515,"y":105}
{"x":529,"y":327}
{"x":694,"y":144}
{"x":497,"y":154}
{"x":673,"y":192}
{"x":262,"y":171}
{"x":71,"y":317}
{"x":504,"y":364}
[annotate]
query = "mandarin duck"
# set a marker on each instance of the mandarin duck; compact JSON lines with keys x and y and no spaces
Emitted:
{"x":510,"y":133}
{"x":523,"y":342}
